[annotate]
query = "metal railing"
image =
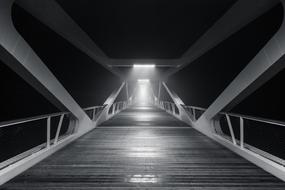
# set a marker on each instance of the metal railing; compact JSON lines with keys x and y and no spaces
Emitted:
{"x":54,"y":121}
{"x":169,"y":107}
{"x":117,"y":107}
{"x":235,"y":130}
{"x":236,"y":133}
{"x":50,"y":140}
{"x":94,"y":112}
{"x":194,"y":112}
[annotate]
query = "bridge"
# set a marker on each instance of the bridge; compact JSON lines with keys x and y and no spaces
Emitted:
{"x":143,"y":135}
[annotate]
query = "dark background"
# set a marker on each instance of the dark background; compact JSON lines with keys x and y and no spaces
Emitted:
{"x":200,"y":83}
{"x":144,"y":29}
{"x":166,"y":31}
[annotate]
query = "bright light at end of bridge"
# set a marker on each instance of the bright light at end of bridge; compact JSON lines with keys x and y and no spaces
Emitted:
{"x":143,"y":93}
{"x":144,"y":65}
{"x":143,"y":80}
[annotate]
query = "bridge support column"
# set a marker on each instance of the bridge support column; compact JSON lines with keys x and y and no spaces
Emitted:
{"x":19,"y":56}
{"x":179,"y":103}
{"x":108,"y":105}
{"x":267,"y":63}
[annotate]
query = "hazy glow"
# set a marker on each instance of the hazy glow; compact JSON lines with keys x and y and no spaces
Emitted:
{"x":144,"y":65}
{"x":143,"y":80}
{"x":144,"y":108}
{"x":143,"y":94}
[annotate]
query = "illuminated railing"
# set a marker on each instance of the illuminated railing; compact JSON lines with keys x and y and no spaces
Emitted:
{"x":94,"y":112}
{"x":169,"y":107}
{"x":117,"y":107}
{"x":49,"y":130}
{"x":194,"y":112}
{"x":58,"y":127}
{"x":247,"y":132}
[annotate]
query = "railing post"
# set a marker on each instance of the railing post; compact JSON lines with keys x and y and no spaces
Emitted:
{"x":241,"y":133}
{"x":231,"y":129}
{"x":58,"y":129}
{"x":94,"y":113}
{"x":194,"y":113}
{"x":113,"y":108}
{"x":173,"y":108}
{"x":159,"y":90}
{"x":48,"y":131}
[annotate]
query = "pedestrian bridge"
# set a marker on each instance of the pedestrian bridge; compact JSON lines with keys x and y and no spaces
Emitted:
{"x":144,"y":134}
{"x":144,"y":147}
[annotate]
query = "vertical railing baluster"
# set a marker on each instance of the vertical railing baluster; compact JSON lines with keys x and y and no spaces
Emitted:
{"x":114,"y":107}
{"x":58,"y":129}
{"x":194,"y":113}
{"x":241,"y":132}
{"x":48,"y":131}
{"x":231,"y":129}
{"x":94,"y":113}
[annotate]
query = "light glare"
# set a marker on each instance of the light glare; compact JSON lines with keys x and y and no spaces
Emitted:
{"x":143,"y":65}
{"x":143,"y":80}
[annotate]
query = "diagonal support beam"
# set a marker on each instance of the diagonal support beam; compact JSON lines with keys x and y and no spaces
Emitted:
{"x":108,"y":103}
{"x":239,"y":15}
{"x":50,"y":13}
{"x":159,"y":90}
{"x":127,"y":90}
{"x":269,"y":61}
{"x":19,"y":56}
{"x":179,"y":103}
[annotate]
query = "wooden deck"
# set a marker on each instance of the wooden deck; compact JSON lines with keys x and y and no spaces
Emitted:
{"x":144,"y":148}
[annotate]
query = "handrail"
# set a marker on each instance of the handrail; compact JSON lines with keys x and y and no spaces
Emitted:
{"x":49,"y":141}
{"x":171,"y":107}
{"x":29,"y":119}
{"x":39,"y":117}
{"x":253,"y":118}
{"x":240,"y":142}
{"x":231,"y":139}
{"x":92,"y":107}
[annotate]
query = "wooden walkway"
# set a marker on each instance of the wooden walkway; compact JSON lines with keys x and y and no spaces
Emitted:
{"x":144,"y":148}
